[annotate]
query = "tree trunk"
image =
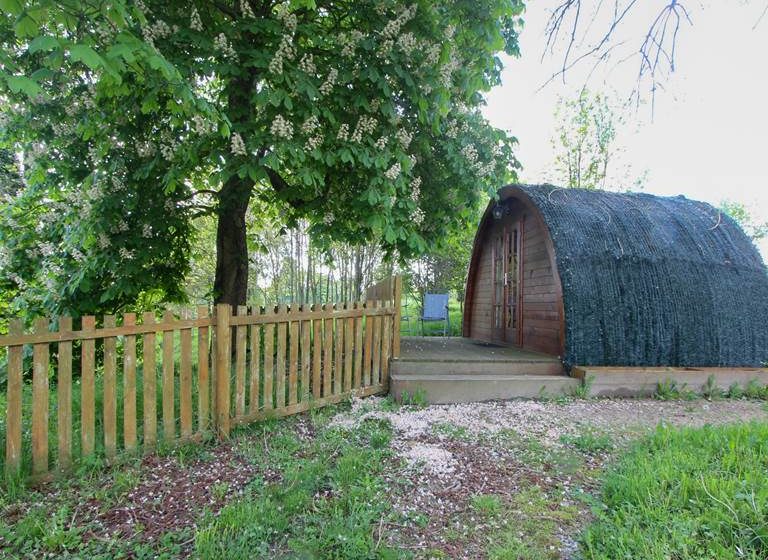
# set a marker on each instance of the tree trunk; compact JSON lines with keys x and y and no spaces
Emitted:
{"x":231,"y":282}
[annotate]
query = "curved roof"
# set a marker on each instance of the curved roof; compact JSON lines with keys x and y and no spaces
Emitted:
{"x":651,"y":280}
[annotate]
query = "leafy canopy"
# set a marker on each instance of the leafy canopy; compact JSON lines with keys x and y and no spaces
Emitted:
{"x":362,"y":117}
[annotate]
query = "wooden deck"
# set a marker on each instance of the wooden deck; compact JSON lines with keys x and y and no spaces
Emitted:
{"x":459,"y":349}
{"x":454,"y":369}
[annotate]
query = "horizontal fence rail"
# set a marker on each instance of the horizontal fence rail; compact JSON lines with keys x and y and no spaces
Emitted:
{"x":86,"y":389}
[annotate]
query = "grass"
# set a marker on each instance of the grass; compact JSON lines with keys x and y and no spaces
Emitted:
{"x":589,"y":441}
{"x":686,"y":493}
{"x":329,"y":501}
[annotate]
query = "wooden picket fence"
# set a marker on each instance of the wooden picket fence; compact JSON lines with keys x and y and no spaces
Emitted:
{"x":153,"y":382}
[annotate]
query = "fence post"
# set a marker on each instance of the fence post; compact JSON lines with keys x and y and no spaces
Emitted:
{"x":222,"y":372}
{"x":398,"y":296}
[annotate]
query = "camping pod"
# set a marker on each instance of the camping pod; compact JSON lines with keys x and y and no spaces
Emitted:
{"x":606,"y":278}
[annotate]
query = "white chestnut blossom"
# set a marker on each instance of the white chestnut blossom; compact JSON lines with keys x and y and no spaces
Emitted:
{"x":307,"y":64}
{"x":415,"y":188}
{"x":452,"y":129}
{"x":447,"y":70}
{"x":104,"y":241}
{"x":404,"y":137}
{"x":126,"y":254}
{"x":281,"y":128}
{"x":202,"y":126}
{"x":366,"y":125}
{"x":245,"y":9}
{"x":145,"y":148}
{"x":286,"y":50}
{"x":78,"y":255}
{"x":407,"y":43}
{"x":418,"y":216}
{"x":310,"y":125}
{"x":343,"y":134}
{"x":393,"y":172}
{"x":146,"y":231}
{"x":328,"y":218}
{"x":47,"y":249}
{"x":156,"y":30}
{"x":237,"y":146}
{"x":222,"y":44}
{"x":329,"y":82}
{"x":392,"y":29}
{"x":470,"y":153}
{"x":432,"y":54}
{"x":195,"y":23}
{"x":381,"y":143}
{"x":350,"y":41}
{"x":313,"y":142}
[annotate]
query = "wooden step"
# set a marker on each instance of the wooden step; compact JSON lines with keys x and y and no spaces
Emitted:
{"x":644,"y":381}
{"x":458,"y":388}
{"x":477,"y":367}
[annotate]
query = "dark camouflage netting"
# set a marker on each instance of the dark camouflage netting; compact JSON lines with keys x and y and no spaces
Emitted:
{"x":651,"y":281}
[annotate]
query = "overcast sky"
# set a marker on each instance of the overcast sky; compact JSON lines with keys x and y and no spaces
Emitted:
{"x":707,"y":137}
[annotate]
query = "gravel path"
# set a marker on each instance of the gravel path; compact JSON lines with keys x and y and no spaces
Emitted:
{"x":548,"y":421}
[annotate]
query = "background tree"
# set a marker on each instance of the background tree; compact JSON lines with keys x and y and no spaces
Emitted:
{"x":586,"y":152}
{"x":752,"y":227}
{"x":361,"y":118}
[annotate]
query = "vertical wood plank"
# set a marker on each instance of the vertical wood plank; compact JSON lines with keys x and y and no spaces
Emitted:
{"x":280,"y":359}
{"x":129,"y":385}
{"x":13,"y":403}
{"x":87,"y":389}
{"x":203,"y":381}
{"x":349,"y":338}
{"x":40,"y":356}
{"x":63,"y":397}
{"x":367,"y":361}
{"x":109,"y":407}
{"x":169,"y":415}
{"x":306,"y":357}
{"x":269,"y":365}
{"x":185,"y":381}
{"x":255,"y":381}
{"x":149,"y":382}
{"x":376,"y":346}
{"x":327,"y":350}
{"x":240,"y":333}
{"x":338,"y":364}
{"x":293,"y":359}
{"x":317,"y":355}
{"x":386,"y":344}
{"x":223,"y":363}
{"x":398,"y":296}
{"x":358,"y":351}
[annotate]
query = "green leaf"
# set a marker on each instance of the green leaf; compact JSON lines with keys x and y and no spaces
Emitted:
{"x":122,"y":50}
{"x":13,"y":7}
{"x":26,"y":27}
{"x":25,"y":85}
{"x":43,"y":43}
{"x":88,"y":56}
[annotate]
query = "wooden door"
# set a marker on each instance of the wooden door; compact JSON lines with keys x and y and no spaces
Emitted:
{"x":506,"y":316}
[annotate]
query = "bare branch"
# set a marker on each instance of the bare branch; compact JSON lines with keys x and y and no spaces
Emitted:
{"x":759,"y":19}
{"x":656,"y":51}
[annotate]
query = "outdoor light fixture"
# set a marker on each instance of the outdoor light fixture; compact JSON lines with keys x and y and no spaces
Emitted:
{"x":498,"y":211}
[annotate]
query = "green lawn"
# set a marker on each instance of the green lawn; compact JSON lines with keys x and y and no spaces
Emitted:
{"x":686,"y":493}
